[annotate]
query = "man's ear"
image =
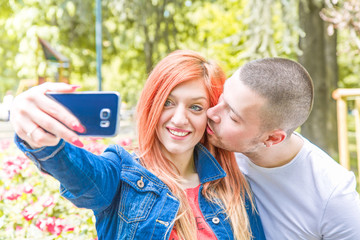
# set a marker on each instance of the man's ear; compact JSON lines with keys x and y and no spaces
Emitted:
{"x":275,"y":137}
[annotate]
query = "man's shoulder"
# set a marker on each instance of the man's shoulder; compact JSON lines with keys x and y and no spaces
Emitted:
{"x":323,"y":164}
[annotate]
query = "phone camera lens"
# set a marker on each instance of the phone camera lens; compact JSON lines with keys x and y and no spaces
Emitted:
{"x":105,"y":113}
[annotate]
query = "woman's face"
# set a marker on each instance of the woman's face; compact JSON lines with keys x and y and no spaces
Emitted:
{"x":183,"y":119}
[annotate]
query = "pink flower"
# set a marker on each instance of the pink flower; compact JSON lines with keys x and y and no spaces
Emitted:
{"x":29,"y":213}
{"x":12,"y":194}
{"x":28,"y":189}
{"x":13,"y":165}
{"x":18,"y":228}
{"x":49,"y":201}
{"x":125,"y":142}
{"x":93,"y":139}
{"x":95,"y":148}
{"x":2,"y":193}
{"x":44,"y":224}
{"x":53,"y":225}
{"x":69,"y":229}
{"x":40,"y":223}
{"x":5,"y":144}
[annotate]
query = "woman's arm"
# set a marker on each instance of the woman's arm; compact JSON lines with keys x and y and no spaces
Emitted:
{"x":87,"y":180}
{"x":40,"y":123}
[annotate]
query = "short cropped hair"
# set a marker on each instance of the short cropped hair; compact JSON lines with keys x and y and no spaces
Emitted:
{"x":287,"y":88}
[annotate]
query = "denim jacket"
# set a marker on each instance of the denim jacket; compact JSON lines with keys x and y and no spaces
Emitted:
{"x":128,"y":201}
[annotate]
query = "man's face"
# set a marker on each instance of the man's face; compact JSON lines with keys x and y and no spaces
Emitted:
{"x":234,"y":123}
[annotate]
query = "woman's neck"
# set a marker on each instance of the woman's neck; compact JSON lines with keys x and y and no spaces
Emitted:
{"x":186,"y":166}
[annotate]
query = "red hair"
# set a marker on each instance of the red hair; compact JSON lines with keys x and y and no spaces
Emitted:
{"x":178,"y":67}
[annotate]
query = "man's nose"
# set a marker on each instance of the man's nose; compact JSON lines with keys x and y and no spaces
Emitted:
{"x":213,"y":113}
{"x":180,"y":117}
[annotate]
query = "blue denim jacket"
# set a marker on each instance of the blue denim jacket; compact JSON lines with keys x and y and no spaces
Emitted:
{"x":128,"y":201}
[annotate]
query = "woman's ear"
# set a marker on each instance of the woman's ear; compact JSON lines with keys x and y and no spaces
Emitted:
{"x":275,"y":137}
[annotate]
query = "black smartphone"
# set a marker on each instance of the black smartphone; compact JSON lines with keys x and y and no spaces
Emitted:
{"x":98,"y":111}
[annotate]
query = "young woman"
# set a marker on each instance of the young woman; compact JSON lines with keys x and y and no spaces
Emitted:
{"x":171,"y":187}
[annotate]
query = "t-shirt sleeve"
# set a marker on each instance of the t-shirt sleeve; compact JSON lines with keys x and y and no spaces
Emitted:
{"x":341,"y":219}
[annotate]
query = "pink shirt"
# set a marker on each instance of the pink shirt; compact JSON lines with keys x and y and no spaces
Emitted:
{"x":203,"y":229}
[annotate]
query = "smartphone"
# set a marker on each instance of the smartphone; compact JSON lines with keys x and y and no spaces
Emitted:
{"x":98,"y":111}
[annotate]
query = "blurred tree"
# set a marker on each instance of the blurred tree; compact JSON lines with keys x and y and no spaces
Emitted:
{"x":272,"y":29}
{"x":144,"y":32}
{"x":136,"y":34}
{"x":7,"y":50}
{"x":320,"y":59}
{"x":345,"y":17}
{"x":65,"y":24}
{"x":294,"y":29}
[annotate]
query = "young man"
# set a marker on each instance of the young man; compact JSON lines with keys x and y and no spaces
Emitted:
{"x":301,"y":192}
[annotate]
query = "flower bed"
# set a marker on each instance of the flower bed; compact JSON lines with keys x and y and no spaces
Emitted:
{"x":30,"y":203}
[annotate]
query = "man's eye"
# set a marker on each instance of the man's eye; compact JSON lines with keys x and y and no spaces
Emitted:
{"x":196,"y":108}
{"x":233,"y":119}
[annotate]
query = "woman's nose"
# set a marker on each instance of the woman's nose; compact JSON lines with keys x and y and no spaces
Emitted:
{"x":180,"y":116}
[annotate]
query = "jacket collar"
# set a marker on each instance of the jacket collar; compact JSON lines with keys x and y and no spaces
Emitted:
{"x":206,"y":165}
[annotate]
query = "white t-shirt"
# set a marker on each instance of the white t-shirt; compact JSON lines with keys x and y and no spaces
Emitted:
{"x":311,"y":197}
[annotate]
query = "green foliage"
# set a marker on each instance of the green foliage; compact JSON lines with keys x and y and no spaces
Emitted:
{"x":66,"y":22}
{"x":142,"y":33}
{"x":137,"y":34}
{"x":345,"y":17}
{"x":349,"y":61}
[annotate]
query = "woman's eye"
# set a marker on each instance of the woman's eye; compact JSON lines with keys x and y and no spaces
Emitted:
{"x":196,"y":108}
{"x":167,"y":103}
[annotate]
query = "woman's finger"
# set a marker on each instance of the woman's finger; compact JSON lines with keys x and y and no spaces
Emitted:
{"x":40,"y":120}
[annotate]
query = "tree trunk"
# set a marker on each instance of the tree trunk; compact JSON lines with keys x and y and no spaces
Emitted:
{"x":319,"y":58}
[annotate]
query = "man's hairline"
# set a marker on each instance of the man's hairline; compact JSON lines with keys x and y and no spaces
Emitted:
{"x":262,"y":106}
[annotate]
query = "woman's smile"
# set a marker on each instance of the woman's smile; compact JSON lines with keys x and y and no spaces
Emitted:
{"x":178,"y":132}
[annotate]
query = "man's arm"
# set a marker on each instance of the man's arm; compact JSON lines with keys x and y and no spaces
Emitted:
{"x":341,"y":219}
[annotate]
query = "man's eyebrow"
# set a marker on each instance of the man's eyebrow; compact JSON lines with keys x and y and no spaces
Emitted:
{"x":231,"y":108}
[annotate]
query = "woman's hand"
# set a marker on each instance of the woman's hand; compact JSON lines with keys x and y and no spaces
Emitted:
{"x":41,"y":121}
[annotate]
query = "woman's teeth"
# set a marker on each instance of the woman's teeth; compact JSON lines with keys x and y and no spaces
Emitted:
{"x":179,"y":134}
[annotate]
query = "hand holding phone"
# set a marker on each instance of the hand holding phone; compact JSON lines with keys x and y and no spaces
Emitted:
{"x":98,"y":111}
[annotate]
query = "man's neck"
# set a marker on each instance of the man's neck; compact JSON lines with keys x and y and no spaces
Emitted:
{"x":277,"y":155}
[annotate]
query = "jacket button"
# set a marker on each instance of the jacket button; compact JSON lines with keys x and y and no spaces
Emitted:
{"x":215,"y":220}
{"x":140,"y":183}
